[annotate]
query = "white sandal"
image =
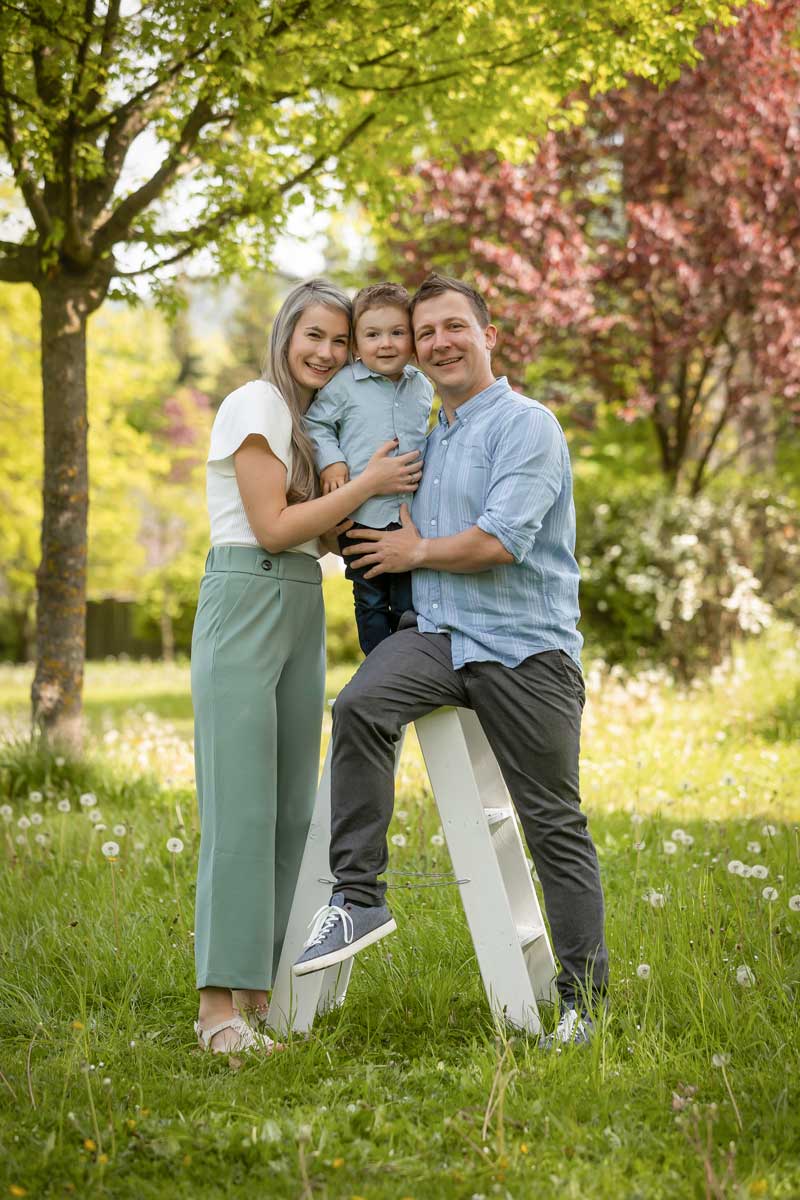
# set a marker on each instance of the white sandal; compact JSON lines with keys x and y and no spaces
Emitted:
{"x":247,"y":1038}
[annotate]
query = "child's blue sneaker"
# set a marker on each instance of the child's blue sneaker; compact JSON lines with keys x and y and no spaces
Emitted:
{"x":339,"y":930}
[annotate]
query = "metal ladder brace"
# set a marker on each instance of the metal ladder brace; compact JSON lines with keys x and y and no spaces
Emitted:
{"x":500,"y":901}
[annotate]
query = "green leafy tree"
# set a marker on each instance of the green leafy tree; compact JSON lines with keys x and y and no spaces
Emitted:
{"x":127,"y":391}
{"x":247,"y":104}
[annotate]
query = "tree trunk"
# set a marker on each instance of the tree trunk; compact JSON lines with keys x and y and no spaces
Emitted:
{"x":61,"y":579}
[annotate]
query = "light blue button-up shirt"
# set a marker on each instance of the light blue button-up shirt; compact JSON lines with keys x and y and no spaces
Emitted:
{"x":356,"y":413}
{"x":502,"y":465}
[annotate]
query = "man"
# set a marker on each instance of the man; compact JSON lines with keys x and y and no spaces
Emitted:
{"x":495,"y":588}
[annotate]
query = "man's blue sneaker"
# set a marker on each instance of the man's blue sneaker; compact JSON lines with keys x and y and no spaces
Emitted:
{"x":575,"y":1028}
{"x":339,"y":930}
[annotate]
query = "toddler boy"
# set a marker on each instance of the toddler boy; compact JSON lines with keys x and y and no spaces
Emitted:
{"x":378,"y":397}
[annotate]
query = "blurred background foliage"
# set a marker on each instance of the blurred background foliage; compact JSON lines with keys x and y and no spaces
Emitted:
{"x":643,"y":270}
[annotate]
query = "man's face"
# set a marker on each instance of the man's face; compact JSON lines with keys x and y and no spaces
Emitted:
{"x":452,"y":348}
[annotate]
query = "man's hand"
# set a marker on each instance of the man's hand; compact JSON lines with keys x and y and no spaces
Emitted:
{"x":333,"y":477}
{"x":387,"y":552}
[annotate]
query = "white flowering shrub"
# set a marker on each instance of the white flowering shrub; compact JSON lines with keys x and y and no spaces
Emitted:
{"x":675,"y":580}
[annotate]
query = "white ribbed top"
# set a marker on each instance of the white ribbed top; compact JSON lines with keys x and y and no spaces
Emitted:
{"x":257,"y":407}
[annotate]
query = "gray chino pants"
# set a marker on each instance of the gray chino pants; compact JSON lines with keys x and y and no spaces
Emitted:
{"x":531,"y":715}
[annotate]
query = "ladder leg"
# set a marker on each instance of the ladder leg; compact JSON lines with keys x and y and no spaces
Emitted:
{"x":500,"y":901}
{"x":296,"y":1000}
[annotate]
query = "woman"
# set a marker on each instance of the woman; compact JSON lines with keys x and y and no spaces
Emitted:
{"x":258,"y":659}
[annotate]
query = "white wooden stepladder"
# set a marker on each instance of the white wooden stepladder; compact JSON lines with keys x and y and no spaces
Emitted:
{"x":486,"y":850}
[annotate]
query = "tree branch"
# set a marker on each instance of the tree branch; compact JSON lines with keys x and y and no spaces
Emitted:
{"x":177,"y":162}
{"x":18,"y":264}
{"x":106,"y":43}
{"x":39,"y":21}
{"x":196,"y":238}
{"x":75,"y":243}
{"x":769,"y":436}
{"x":722,"y":420}
{"x":22,"y":172}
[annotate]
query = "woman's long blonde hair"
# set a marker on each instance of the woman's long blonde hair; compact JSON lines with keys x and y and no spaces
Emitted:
{"x":303,"y":483}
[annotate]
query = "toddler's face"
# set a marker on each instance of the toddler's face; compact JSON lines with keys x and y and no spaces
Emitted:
{"x":383,"y":340}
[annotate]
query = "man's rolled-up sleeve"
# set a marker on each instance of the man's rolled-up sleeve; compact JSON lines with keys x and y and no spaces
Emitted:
{"x":526,"y":476}
{"x":322,"y":425}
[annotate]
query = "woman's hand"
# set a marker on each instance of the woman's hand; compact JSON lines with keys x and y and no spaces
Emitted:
{"x":387,"y":473}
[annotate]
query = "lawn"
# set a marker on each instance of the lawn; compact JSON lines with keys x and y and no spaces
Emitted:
{"x":692,"y":1088}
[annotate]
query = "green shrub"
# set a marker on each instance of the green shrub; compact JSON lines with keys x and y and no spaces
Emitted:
{"x":673,"y":580}
{"x":340,"y":621}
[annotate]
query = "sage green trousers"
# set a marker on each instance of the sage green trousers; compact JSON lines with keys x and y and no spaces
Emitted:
{"x":258,"y":687}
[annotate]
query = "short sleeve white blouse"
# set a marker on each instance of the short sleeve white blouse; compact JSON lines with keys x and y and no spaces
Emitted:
{"x":257,"y":407}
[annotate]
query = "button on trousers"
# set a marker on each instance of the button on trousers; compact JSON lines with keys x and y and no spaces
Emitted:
{"x":258,"y":686}
{"x":531,"y":715}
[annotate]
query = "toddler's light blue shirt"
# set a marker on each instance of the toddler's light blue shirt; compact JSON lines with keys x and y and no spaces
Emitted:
{"x":356,"y":413}
{"x":502,"y":465}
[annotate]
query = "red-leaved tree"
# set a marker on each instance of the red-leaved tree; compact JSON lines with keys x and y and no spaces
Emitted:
{"x":657,"y":249}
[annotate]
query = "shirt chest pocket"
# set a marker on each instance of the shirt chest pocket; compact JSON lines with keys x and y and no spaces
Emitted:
{"x":475,"y":476}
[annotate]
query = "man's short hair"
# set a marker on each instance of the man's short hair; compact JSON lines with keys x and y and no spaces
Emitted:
{"x":380,"y":295}
{"x":437,"y":285}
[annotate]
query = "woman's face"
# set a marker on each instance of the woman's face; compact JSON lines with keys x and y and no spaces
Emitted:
{"x":318,"y":346}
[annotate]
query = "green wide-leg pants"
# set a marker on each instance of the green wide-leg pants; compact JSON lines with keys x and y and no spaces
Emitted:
{"x":258,"y":686}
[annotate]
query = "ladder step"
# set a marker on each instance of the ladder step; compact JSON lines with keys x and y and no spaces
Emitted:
{"x":495,"y":815}
{"x":528,"y":936}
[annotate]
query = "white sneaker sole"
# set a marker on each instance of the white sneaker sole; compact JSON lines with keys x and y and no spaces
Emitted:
{"x":339,"y":956}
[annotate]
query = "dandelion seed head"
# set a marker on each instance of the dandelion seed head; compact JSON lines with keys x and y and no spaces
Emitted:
{"x":759,"y":871}
{"x":20,"y":839}
{"x":735,"y":866}
{"x":401,"y":814}
{"x":119,"y":831}
{"x":639,"y":846}
{"x":398,"y":839}
{"x":437,"y":840}
{"x":36,"y":818}
{"x":754,"y":847}
{"x":636,"y":818}
{"x":41,"y":839}
{"x":6,"y":812}
{"x":745,"y":871}
{"x":59,"y":761}
{"x":670,"y":847}
{"x":64,"y":806}
{"x":643,"y":970}
{"x":87,"y":800}
{"x":656,"y":899}
{"x":720,"y":1060}
{"x":24,"y":822}
{"x":688,"y":840}
{"x":95,"y":815}
{"x":745,"y":977}
{"x":174,"y":845}
{"x":794,"y":903}
{"x":769,"y":831}
{"x":35,"y":797}
{"x":678,"y":835}
{"x":110,"y":849}
{"x":770,"y":893}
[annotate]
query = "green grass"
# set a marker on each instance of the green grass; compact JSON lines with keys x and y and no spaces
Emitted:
{"x":104,"y":1094}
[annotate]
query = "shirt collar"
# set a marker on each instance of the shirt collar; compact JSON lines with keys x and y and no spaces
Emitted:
{"x":480,"y":400}
{"x":360,"y":371}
